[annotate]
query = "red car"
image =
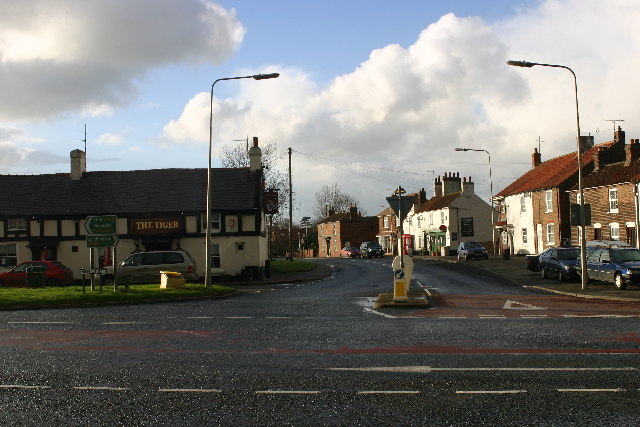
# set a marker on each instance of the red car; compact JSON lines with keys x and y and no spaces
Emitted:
{"x":55,"y":273}
{"x":350,"y":252}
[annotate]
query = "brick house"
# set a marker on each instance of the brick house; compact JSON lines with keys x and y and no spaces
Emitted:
{"x":534,"y":210}
{"x":345,"y":229}
{"x":610,"y":189}
{"x":388,"y":231}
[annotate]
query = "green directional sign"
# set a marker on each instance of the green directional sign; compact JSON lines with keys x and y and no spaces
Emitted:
{"x":102,"y":241}
{"x":105,"y":224}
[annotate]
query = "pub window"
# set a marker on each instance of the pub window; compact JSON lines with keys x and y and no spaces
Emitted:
{"x":8,"y":256}
{"x":16,"y":224}
{"x":215,"y":222}
{"x":215,"y":255}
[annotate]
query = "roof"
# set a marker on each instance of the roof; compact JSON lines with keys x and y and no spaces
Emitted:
{"x":122,"y":192}
{"x":555,"y":172}
{"x":386,"y":212}
{"x":346,"y":216}
{"x":616,"y":173}
{"x":437,"y":202}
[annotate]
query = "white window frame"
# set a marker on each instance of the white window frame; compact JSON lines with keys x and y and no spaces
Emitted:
{"x":386,"y":222}
{"x":525,"y":238}
{"x":551,"y":234}
{"x":613,"y":200}
{"x":614,"y":226}
{"x":216,"y":222}
{"x":578,"y":198}
{"x":8,"y":256}
{"x":216,"y":257}
{"x":17,"y":224}
{"x":548,"y":200}
{"x":441,"y":217}
{"x":523,"y":204}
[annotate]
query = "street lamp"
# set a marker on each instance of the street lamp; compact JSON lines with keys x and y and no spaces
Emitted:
{"x":583,"y":257}
{"x":493,"y":230}
{"x":207,"y":249}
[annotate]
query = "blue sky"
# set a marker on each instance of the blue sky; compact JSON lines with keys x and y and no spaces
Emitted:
{"x":377,"y":93}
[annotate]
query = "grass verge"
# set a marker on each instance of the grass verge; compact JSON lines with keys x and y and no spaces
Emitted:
{"x":295,"y":266}
{"x":72,"y":295}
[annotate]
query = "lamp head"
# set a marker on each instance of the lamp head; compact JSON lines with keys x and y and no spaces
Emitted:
{"x":266,"y":76}
{"x":521,"y":64}
{"x":460,"y":149}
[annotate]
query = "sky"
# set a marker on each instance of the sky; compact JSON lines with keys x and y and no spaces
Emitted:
{"x":371,"y":94}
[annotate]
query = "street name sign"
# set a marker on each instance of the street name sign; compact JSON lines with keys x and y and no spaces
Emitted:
{"x":101,"y":225}
{"x":102,"y":241}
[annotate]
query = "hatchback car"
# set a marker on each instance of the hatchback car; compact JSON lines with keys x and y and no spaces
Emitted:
{"x":371,"y":249}
{"x":350,"y":252}
{"x":559,"y":262}
{"x":621,"y":266}
{"x":55,"y":273}
{"x":145,"y":267}
{"x":472,"y":250}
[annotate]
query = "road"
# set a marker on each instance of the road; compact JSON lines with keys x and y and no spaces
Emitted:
{"x":490,"y":352}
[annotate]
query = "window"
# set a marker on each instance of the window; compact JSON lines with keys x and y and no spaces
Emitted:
{"x":614,"y":229}
{"x":549,"y":200}
{"x":431,"y":218}
{"x":597,"y":233}
{"x":441,"y":217}
{"x":524,"y":235}
{"x":215,"y":222}
{"x":523,"y":204}
{"x":16,"y":224}
{"x":335,"y":229}
{"x":239,"y":246}
{"x":551,"y":234}
{"x":613,"y":200}
{"x":215,"y":255}
{"x":8,"y":256}
{"x":578,"y":198}
{"x":419,"y":222}
{"x":386,"y":222}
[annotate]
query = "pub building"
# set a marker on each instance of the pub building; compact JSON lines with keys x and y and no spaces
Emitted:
{"x":43,"y":216}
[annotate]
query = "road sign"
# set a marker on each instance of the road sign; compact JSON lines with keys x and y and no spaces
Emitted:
{"x":100,"y":225}
{"x":401,"y":205}
{"x":102,"y":241}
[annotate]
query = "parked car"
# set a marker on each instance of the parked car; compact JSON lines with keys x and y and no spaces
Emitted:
{"x":472,"y":250}
{"x":560,"y":262}
{"x":55,"y":273}
{"x":619,"y":265}
{"x":350,"y":252}
{"x":371,"y":249}
{"x":145,"y":267}
{"x":532,"y":262}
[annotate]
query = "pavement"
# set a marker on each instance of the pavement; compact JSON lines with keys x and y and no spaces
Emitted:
{"x":512,"y":269}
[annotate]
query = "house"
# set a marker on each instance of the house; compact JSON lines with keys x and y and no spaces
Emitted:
{"x":44,"y":216}
{"x":388,"y":231}
{"x":534,"y":210}
{"x":611,"y":190}
{"x":345,"y":229}
{"x":454,"y":214}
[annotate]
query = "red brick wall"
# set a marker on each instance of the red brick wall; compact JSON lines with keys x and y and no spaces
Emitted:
{"x":354,"y":233}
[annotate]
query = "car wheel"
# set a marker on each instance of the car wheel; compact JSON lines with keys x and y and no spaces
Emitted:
{"x":543,"y":273}
{"x":619,"y":281}
{"x":53,"y":282}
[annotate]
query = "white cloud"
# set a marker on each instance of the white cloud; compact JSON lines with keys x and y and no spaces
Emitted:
{"x":90,"y":55}
{"x":110,"y":139}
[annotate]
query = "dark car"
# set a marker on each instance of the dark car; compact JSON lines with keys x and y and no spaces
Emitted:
{"x":472,"y":250}
{"x":621,"y":266}
{"x":350,"y":252}
{"x":532,"y":262}
{"x":371,"y":249}
{"x":559,"y":262}
{"x":55,"y":273}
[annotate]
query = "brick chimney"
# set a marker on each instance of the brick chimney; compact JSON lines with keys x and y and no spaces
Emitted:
{"x":255,"y":156}
{"x":78,"y":164}
{"x":451,"y":183}
{"x":536,"y":158}
{"x":437,"y":187}
{"x":353,"y":211}
{"x":598,"y":160}
{"x":632,"y":151}
{"x":422,"y":196}
{"x":467,"y":186}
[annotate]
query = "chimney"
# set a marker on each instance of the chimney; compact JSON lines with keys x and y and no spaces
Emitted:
{"x":353,"y":212}
{"x":451,"y":183}
{"x":437,"y":187}
{"x":536,"y":158}
{"x":78,"y":164}
{"x":467,"y":186}
{"x":597,"y":159}
{"x":618,"y":135}
{"x":632,"y":151}
{"x":255,"y":156}
{"x":422,"y":196}
{"x":586,"y":142}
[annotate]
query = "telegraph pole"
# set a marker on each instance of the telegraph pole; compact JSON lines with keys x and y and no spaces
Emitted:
{"x":290,"y":210}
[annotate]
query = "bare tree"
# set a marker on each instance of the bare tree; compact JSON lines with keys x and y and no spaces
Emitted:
{"x":331,"y":197}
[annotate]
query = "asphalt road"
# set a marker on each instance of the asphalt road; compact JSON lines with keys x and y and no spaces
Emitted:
{"x":490,"y":353}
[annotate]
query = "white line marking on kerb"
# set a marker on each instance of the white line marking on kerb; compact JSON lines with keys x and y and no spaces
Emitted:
{"x":189,"y":390}
{"x":287,"y":392}
{"x":490,"y":391}
{"x":23,"y":386}
{"x":379,"y":313}
{"x":41,"y":323}
{"x":515,"y":305}
{"x":101,"y":388}
{"x":580,"y":390}
{"x":389,"y":392}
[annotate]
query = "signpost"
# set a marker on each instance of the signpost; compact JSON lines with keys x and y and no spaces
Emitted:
{"x":102,"y":232}
{"x":105,"y":224}
{"x":402,"y":265}
{"x":105,"y":241}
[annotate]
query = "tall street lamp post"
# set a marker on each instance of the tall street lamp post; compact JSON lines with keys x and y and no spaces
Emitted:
{"x":207,"y":249}
{"x":493,"y":229}
{"x":583,"y":260}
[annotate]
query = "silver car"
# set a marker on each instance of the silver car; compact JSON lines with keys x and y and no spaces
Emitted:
{"x":145,"y":267}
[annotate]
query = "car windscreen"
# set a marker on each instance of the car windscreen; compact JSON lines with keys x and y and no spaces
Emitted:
{"x":569,"y":254}
{"x":472,"y":245}
{"x":625,"y":255}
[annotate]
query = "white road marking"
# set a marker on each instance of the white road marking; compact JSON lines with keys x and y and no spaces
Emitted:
{"x":24,"y":386}
{"x":279,"y":317}
{"x":427,"y":369}
{"x":515,"y":305}
{"x":42,"y":323}
{"x":237,"y":317}
{"x":189,"y":390}
{"x":120,"y":323}
{"x":578,"y":390}
{"x":490,"y":391}
{"x":379,"y":313}
{"x":287,"y":392}
{"x":200,"y":317}
{"x":492,"y":316}
{"x":600,"y":316}
{"x":534,"y":316}
{"x":101,"y":388}
{"x":452,"y":317}
{"x":389,"y":392}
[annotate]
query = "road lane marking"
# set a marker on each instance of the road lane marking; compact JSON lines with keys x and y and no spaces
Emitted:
{"x":238,"y":317}
{"x":492,"y":316}
{"x":24,"y":386}
{"x":490,"y":391}
{"x":389,"y":392}
{"x":189,"y":390}
{"x":596,"y":390}
{"x":534,"y":316}
{"x":452,"y":317}
{"x":427,"y":369}
{"x":42,"y":323}
{"x":200,"y":317}
{"x":101,"y":388}
{"x":379,"y":313}
{"x":515,"y":305}
{"x":120,"y":323}
{"x":287,"y":392}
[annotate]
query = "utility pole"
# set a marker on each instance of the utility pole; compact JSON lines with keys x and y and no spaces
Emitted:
{"x":290,"y":210}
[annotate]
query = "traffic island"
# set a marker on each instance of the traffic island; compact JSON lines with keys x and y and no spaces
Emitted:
{"x":415,"y":300}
